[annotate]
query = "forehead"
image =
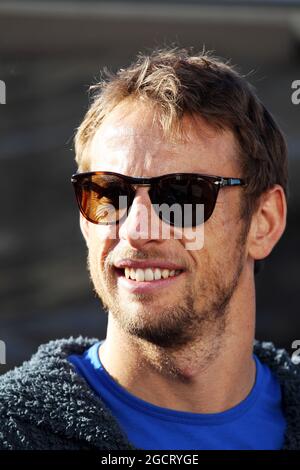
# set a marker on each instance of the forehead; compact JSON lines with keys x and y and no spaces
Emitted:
{"x":131,"y":141}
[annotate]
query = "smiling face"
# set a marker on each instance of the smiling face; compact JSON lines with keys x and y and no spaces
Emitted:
{"x":194,"y":301}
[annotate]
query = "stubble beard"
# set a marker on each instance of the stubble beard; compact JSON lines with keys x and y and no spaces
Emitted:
{"x":185,"y":323}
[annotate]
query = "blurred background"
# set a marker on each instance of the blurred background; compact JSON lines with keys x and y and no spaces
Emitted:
{"x":50,"y":52}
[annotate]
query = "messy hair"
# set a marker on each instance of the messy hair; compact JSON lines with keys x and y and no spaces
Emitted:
{"x":177,"y":83}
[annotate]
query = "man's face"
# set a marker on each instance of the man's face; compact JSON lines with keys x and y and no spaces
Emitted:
{"x":183,"y":308}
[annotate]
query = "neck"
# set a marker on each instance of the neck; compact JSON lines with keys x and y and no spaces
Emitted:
{"x":199,"y":377}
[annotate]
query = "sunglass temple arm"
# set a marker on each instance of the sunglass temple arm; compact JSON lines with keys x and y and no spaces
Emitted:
{"x":230,"y":182}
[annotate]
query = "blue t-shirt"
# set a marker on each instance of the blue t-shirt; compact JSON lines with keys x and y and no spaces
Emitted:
{"x":255,"y":423}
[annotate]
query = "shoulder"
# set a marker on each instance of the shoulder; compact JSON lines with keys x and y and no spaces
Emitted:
{"x":287,"y":373}
{"x":32,"y":393}
{"x":278,"y":360}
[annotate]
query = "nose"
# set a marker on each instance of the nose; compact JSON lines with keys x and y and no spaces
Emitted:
{"x":141,"y":224}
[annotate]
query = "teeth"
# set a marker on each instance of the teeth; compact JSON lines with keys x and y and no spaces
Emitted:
{"x":149,"y":274}
{"x":132,"y":273}
{"x":157,"y":273}
{"x":165,"y":273}
{"x":127,"y":273}
{"x":139,"y":275}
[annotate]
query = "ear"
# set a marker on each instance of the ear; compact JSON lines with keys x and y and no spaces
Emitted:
{"x":268,"y":223}
{"x":84,"y":226}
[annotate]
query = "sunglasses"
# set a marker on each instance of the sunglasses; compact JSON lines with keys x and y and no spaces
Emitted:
{"x":104,"y":197}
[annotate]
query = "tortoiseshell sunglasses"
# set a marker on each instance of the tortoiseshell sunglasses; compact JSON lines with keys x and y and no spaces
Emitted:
{"x":104,"y":197}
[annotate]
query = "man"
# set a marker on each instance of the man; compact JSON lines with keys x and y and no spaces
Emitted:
{"x":179,"y":368}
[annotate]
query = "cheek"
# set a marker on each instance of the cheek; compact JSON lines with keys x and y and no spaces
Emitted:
{"x":101,"y":241}
{"x":214,"y":244}
{"x":105,"y":233}
{"x":220,"y":239}
{"x":193,"y":238}
{"x":224,"y":225}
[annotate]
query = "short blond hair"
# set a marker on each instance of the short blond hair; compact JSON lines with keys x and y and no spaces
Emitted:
{"x":179,"y":83}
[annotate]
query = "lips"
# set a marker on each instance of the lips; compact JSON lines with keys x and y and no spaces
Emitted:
{"x":149,"y":274}
{"x":145,"y":276}
{"x":147,"y":270}
{"x":143,"y":287}
{"x":144,"y":264}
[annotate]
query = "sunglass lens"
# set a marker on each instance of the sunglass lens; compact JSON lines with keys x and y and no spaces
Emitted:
{"x":103,"y":199}
{"x":184,"y":200}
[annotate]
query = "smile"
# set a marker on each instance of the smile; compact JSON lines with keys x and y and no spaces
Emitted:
{"x":148,"y":279}
{"x":149,"y":274}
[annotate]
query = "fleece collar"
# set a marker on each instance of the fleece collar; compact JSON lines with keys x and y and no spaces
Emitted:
{"x":288,"y":375}
{"x":60,"y":400}
{"x":55,"y":398}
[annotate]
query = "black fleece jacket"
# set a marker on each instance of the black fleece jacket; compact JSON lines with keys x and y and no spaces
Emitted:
{"x":46,"y":405}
